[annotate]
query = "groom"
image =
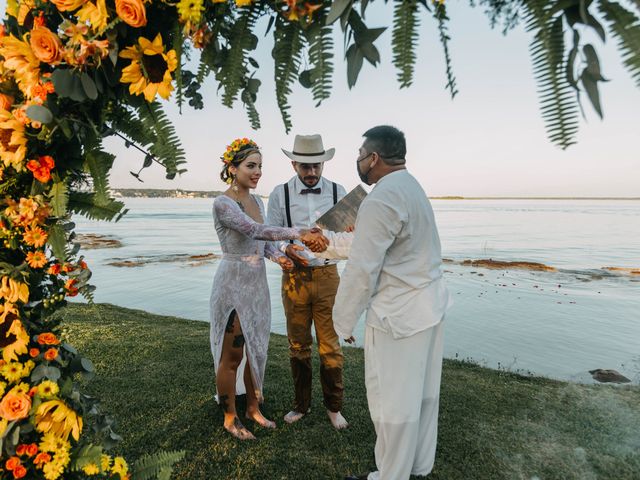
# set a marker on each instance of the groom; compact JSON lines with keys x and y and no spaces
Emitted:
{"x":309,"y":289}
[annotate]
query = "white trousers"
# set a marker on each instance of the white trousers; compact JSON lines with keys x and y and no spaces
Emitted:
{"x":403,"y":391}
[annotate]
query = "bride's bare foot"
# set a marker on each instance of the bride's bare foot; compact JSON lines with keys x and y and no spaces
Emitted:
{"x":239,"y":431}
{"x":260,"y":419}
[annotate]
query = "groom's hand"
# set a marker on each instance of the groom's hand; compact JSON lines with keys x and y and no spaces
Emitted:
{"x":351,"y":339}
{"x":293,"y":252}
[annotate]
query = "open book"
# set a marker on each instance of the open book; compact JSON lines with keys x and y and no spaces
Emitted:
{"x":343,"y":214}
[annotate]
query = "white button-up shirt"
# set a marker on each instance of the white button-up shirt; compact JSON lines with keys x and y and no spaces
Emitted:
{"x":305,"y":209}
{"x":393,"y":270}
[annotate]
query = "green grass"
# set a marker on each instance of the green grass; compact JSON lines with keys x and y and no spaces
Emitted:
{"x":155,"y":375}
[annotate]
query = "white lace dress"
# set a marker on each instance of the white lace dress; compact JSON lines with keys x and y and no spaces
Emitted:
{"x":240,"y":284}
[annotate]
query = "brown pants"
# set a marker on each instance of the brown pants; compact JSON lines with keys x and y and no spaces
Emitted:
{"x":308,"y":295}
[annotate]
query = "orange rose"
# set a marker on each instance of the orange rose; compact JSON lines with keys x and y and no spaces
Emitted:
{"x":6,"y":101}
{"x":46,"y":45}
{"x":19,"y":471}
{"x":48,"y":339}
{"x":132,"y":12}
{"x":68,"y":5}
{"x":34,"y":352}
{"x":51,"y":354}
{"x":42,"y":457}
{"x":15,"y":405}
{"x":21,"y":450}
{"x":32,"y":449}
{"x":54,"y":269}
{"x":12,"y":463}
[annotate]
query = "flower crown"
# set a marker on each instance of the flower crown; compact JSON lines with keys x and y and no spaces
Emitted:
{"x":237,"y":145}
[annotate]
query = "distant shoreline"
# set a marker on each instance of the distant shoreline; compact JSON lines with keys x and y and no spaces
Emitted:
{"x":180,"y":193}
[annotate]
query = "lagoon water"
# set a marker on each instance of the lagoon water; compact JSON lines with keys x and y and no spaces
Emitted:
{"x":558,"y":324}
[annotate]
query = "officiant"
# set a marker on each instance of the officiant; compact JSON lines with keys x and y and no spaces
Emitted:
{"x":309,"y":289}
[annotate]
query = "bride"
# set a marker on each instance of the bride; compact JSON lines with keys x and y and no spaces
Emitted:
{"x":240,"y":309}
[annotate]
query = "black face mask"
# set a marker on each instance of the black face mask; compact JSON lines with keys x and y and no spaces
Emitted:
{"x":364,"y":177}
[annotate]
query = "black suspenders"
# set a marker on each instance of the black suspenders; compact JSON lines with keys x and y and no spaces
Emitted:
{"x":287,"y":203}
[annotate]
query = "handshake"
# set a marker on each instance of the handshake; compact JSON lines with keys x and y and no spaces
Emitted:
{"x":314,"y":240}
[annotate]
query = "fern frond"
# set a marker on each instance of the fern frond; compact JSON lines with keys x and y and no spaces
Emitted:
{"x":177,"y":46}
{"x":440,"y":14}
{"x":248,"y":99}
{"x":59,"y":199}
{"x":98,"y":164}
{"x":233,"y":73}
{"x":625,"y":26}
{"x":158,"y":465}
{"x":404,"y":39}
{"x":94,"y":208}
{"x":558,"y":102}
{"x":320,"y":41}
{"x":287,"y":52}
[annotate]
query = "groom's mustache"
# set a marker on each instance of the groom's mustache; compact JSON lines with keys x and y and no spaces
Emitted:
{"x":311,"y":180}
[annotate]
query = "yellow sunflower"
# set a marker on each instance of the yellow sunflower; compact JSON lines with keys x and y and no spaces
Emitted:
{"x":19,"y":57}
{"x":13,"y":340}
{"x":150,"y":70}
{"x":190,"y":11}
{"x":95,"y":14}
{"x":55,"y":416}
{"x":13,"y":142}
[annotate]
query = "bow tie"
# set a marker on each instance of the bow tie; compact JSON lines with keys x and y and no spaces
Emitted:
{"x":304,"y":191}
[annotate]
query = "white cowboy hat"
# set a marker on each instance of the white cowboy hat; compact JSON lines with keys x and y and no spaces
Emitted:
{"x":309,"y":149}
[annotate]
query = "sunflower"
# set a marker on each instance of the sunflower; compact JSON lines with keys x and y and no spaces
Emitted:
{"x":13,"y":143}
{"x":13,"y":339}
{"x":55,"y":416}
{"x":190,"y":11}
{"x":150,"y":70}
{"x":19,"y":57}
{"x":95,"y":15}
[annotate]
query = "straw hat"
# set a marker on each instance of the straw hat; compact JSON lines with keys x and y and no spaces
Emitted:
{"x":309,"y":149}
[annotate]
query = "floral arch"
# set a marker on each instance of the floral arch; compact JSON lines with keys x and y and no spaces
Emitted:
{"x":75,"y":71}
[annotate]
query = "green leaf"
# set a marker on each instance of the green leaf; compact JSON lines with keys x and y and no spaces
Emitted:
{"x":59,"y":198}
{"x":593,"y":63}
{"x":98,"y":164}
{"x":625,"y":27}
{"x":89,"y":86}
{"x":404,"y":39}
{"x":95,"y":208}
{"x":40,"y":114}
{"x":337,"y":9}
{"x":148,"y":467}
{"x":590,"y":85}
{"x":354,"y":64}
{"x":62,"y":82}
{"x":87,"y":365}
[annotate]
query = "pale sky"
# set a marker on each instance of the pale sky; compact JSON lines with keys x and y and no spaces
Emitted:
{"x":489,"y":141}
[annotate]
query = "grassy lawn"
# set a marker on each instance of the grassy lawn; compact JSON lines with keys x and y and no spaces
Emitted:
{"x":155,"y":375}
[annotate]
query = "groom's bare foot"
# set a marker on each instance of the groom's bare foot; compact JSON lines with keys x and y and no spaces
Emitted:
{"x":260,"y":419}
{"x":293,"y":416}
{"x":337,"y":420}
{"x":238,"y":430}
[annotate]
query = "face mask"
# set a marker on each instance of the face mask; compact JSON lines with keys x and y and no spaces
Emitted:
{"x":364,"y":177}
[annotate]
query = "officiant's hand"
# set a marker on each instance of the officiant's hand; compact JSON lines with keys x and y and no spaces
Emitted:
{"x":293,"y":252}
{"x":314,"y":240}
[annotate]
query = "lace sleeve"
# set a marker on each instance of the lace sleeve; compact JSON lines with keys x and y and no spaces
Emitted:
{"x":272,"y":252}
{"x":230,"y":216}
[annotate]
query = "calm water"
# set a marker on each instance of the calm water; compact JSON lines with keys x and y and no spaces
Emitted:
{"x":555,"y":324}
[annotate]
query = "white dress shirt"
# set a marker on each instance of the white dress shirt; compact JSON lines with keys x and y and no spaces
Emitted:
{"x":305,"y":209}
{"x":393,"y":270}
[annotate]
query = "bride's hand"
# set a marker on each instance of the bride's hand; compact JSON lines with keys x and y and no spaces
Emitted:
{"x":314,"y":240}
{"x":285,"y":263}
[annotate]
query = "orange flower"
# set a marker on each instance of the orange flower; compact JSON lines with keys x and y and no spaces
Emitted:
{"x":41,"y":168}
{"x":33,"y":391}
{"x":36,"y":259}
{"x":48,"y":339}
{"x":35,"y":237}
{"x":5,"y":101}
{"x":12,"y":463}
{"x":68,"y":5}
{"x":19,"y":471}
{"x":15,"y":405}
{"x":67,"y":267}
{"x":21,"y":450}
{"x":42,"y":457}
{"x":46,"y":45}
{"x":83,"y":265}
{"x":72,"y":291}
{"x":54,"y":269}
{"x":132,"y":12}
{"x":32,"y":449}
{"x":34,"y":352}
{"x":51,"y":354}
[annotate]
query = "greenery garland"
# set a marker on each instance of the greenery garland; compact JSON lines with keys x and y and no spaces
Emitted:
{"x":75,"y":71}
